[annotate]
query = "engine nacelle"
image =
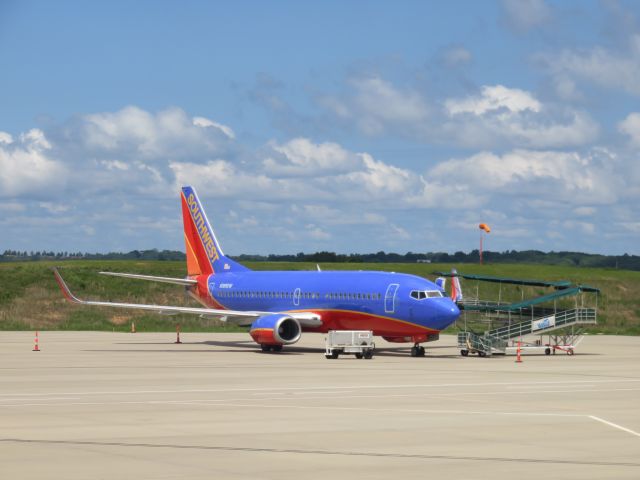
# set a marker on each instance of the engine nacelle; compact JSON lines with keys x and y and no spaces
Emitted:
{"x":276,"y":329}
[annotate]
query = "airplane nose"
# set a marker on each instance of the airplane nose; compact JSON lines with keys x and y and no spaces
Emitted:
{"x":446,"y":312}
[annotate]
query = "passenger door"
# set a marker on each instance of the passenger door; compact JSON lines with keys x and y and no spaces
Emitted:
{"x":296,"y":297}
{"x":390,"y":298}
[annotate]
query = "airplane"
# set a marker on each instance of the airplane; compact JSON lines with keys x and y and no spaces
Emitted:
{"x":278,"y":306}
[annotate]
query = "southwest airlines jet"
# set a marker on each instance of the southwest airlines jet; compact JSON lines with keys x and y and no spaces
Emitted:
{"x":279,"y":305}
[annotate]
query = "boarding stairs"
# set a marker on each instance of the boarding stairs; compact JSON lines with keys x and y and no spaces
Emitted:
{"x":496,"y":341}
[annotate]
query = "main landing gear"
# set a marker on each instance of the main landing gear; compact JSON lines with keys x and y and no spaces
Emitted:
{"x":417,"y":350}
{"x":268,"y":348}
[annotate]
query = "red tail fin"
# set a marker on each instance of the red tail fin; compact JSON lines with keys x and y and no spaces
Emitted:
{"x":204,"y":255}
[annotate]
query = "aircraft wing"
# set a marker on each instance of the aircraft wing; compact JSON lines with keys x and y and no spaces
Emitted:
{"x":240,"y":317}
{"x":177,"y":281}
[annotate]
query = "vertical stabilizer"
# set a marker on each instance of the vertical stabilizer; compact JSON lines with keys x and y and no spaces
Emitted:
{"x":204,"y":255}
{"x":456,"y":291}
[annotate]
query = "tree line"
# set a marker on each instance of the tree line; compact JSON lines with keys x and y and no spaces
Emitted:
{"x":577,"y":259}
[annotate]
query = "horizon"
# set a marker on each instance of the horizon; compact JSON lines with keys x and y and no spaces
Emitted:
{"x":45,"y":252}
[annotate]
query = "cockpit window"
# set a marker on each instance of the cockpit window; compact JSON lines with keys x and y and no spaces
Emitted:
{"x":422,"y":294}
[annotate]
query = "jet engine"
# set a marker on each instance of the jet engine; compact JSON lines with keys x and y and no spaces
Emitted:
{"x":276,"y":329}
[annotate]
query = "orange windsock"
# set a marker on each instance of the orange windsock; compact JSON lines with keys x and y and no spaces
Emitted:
{"x":485,"y":227}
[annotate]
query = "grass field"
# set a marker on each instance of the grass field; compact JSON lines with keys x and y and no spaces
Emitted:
{"x":30,"y":298}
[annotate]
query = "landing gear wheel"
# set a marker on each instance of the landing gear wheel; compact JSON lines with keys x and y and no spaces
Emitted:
{"x":277,"y":348}
{"x":417,"y":351}
{"x":265,"y":348}
{"x":464,"y":353}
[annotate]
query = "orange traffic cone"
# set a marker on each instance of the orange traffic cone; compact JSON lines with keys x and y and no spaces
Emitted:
{"x":518,"y":357}
{"x":177,"y":334}
{"x":35,"y":347}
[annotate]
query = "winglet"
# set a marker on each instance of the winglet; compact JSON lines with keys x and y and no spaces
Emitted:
{"x":65,"y":289}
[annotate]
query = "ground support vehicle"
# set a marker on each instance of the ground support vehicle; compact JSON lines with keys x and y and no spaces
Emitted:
{"x":358,"y":342}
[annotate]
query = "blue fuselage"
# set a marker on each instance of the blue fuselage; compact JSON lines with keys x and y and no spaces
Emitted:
{"x":390,"y":304}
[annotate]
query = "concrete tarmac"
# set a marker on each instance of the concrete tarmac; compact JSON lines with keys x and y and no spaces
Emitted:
{"x":113,"y":405}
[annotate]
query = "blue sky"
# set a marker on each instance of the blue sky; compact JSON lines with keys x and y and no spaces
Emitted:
{"x":343,"y":126}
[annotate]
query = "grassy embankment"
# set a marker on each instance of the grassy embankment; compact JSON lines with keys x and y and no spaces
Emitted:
{"x":30,"y":298}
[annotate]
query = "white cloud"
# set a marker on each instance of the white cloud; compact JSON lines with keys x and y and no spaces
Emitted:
{"x":26,"y":168}
{"x":616,"y":69}
{"x":205,"y":122}
{"x":302,"y":170}
{"x":5,"y":137}
{"x":631,"y":127}
{"x":221,"y":178}
{"x":137,"y":133}
{"x":375,"y":105}
{"x":497,"y":116}
{"x":378,"y":178}
{"x":302,"y":192}
{"x":382,"y":100}
{"x":399,"y":232}
{"x":317,"y":233}
{"x":507,"y":115}
{"x":301,"y":157}
{"x":494,"y":98}
{"x":54,"y":207}
{"x":559,"y":176}
{"x":115,"y":165}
